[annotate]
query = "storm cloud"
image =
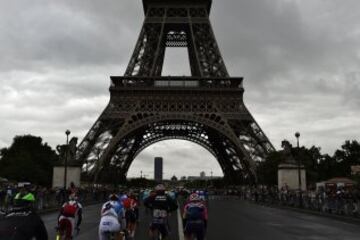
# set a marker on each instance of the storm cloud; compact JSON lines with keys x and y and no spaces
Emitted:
{"x":300,"y":61}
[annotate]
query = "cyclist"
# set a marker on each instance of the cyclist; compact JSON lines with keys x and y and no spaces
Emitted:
{"x":171,"y":194}
{"x":131,"y":206}
{"x":123,"y":196}
{"x":109,"y":223}
{"x":117,"y":205}
{"x":161,"y":205}
{"x":68,"y":213}
{"x":22,"y":222}
{"x":24,"y":197}
{"x":202,"y":195}
{"x":195,"y":217}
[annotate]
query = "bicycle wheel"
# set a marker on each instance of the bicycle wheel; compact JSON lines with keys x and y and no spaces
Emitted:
{"x":156,"y":235}
{"x":109,"y":236}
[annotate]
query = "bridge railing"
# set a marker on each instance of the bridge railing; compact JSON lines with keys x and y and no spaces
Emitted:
{"x":319,"y":202}
{"x":53,"y":199}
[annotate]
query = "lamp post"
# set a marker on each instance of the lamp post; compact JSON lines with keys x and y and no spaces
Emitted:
{"x":67,"y":132}
{"x":297,"y":135}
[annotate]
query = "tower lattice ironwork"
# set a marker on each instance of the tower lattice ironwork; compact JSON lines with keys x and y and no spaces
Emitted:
{"x":206,"y":108}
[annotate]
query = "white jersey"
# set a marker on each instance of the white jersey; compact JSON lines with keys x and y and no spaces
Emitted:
{"x":108,"y":209}
{"x":109,"y":220}
{"x":108,"y":223}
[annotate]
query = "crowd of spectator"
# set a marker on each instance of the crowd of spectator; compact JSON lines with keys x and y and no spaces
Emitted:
{"x":338,"y":200}
{"x":47,"y":198}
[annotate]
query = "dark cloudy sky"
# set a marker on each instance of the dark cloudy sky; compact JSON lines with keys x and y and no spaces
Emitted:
{"x":300,"y":60}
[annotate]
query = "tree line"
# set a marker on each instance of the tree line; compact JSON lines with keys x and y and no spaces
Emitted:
{"x":319,"y":167}
{"x":28,"y":158}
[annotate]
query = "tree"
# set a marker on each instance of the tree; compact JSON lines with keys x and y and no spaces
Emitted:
{"x":347,"y":156}
{"x":267,"y":170}
{"x":28,"y":159}
{"x":310,"y":158}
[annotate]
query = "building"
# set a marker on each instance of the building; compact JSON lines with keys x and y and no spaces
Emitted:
{"x":335,"y":183}
{"x":202,"y":176}
{"x":355,"y":170}
{"x":158,"y":169}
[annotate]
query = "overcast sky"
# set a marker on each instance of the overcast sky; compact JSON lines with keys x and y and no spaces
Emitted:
{"x":300,"y":61}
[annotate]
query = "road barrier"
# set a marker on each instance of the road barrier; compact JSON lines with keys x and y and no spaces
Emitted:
{"x":330,"y":203}
{"x":53,"y":199}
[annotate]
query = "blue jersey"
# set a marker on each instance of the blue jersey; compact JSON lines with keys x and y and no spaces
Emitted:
{"x":172,"y":195}
{"x":145,"y":195}
{"x":202,"y":195}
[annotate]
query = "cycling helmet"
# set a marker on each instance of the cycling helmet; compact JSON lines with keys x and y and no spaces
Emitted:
{"x":160,"y":188}
{"x":132,"y":194}
{"x":123,"y":197}
{"x":113,"y":197}
{"x":108,"y":210}
{"x":194,"y":197}
{"x":72,"y":197}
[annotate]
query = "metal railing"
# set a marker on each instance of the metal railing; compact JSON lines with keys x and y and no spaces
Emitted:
{"x":53,"y":199}
{"x":120,"y":82}
{"x":343,"y":204}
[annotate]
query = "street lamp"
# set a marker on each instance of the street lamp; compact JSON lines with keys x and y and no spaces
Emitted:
{"x":67,"y":132}
{"x":297,"y":135}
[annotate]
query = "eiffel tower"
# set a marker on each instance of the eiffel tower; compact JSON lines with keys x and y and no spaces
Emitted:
{"x":206,"y":108}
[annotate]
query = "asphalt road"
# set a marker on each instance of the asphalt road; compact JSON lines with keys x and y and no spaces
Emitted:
{"x":91,"y":219}
{"x":233,"y":219}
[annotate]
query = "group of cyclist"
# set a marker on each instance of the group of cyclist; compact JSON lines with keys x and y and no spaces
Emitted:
{"x":119,"y":216}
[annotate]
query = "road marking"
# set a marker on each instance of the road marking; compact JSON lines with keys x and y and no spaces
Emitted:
{"x":180,"y":225}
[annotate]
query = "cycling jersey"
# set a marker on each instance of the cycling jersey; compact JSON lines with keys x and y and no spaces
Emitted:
{"x":195,"y":218}
{"x":161,"y":201}
{"x":202,"y":195}
{"x":109,"y":221}
{"x":131,"y":210}
{"x":123,"y":197}
{"x":130,"y":203}
{"x":24,"y":199}
{"x":68,"y":212}
{"x":195,"y":211}
{"x":161,"y":205}
{"x":171,"y":194}
{"x":22,"y":224}
{"x":116,"y":205}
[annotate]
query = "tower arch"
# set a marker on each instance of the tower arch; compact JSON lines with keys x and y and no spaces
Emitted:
{"x":206,"y":107}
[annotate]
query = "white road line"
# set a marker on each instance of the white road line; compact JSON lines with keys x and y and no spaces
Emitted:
{"x":180,"y":225}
